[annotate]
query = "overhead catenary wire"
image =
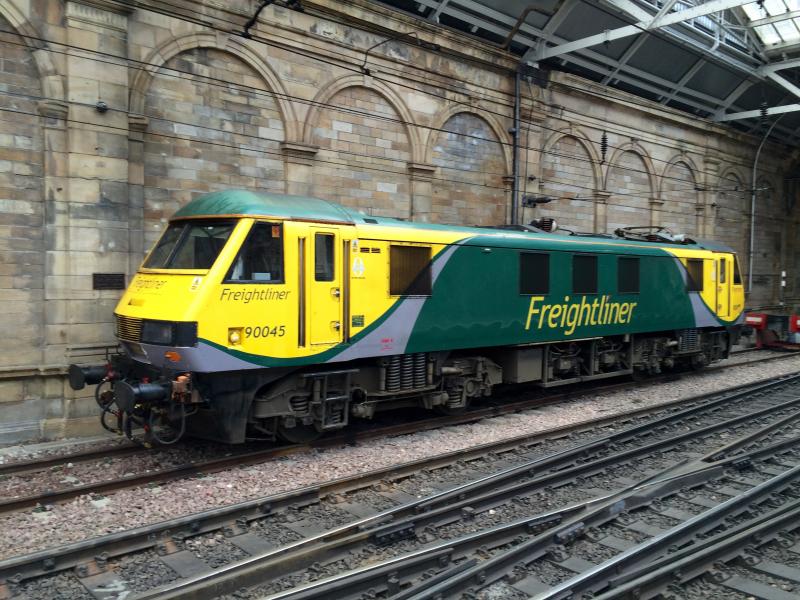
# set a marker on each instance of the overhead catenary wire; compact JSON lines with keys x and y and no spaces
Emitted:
{"x":350,"y":65}
{"x":349,"y":166}
{"x":219,"y":82}
{"x":458,"y":90}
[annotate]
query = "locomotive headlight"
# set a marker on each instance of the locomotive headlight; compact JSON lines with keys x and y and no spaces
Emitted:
{"x":158,"y":332}
{"x":235,"y":336}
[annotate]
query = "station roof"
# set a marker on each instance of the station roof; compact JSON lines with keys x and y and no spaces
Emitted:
{"x":731,"y":61}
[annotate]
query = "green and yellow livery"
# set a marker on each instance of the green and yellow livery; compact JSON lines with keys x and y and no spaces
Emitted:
{"x":272,"y":316}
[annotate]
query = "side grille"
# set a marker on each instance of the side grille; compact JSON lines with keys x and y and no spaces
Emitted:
{"x":689,"y":340}
{"x":129,"y":329}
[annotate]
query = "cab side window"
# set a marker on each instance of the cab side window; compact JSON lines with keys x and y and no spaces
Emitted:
{"x":260,"y":259}
{"x":409,"y":271}
{"x":694,"y":274}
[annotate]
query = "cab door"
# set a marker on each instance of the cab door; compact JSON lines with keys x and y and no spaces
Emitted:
{"x":325,"y":300}
{"x":723,"y":283}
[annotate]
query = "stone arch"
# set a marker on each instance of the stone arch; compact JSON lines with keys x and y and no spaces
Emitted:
{"x":201,"y":138}
{"x":23,"y":210}
{"x":364,"y":150}
{"x":230,"y":45}
{"x":451,"y":111}
{"x":52,"y":83}
{"x":564,"y":173}
{"x":634,"y":148}
{"x":585,"y":142}
{"x":631,"y":183}
{"x":679,"y":197}
{"x":472,"y":166}
{"x":731,"y":221}
{"x":320,"y":103}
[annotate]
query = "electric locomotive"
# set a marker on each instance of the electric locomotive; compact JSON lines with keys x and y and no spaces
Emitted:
{"x":270,"y":316}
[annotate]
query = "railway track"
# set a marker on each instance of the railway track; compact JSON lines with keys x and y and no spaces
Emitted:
{"x":239,"y":458}
{"x":487,"y":499}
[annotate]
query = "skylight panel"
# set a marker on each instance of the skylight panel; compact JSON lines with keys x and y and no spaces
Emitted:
{"x":775,"y":7}
{"x":787,"y":30}
{"x":753,"y":11}
{"x":768,"y":35}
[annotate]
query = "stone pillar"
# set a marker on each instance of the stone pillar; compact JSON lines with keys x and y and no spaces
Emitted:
{"x":96,"y":207}
{"x":601,"y":211}
{"x":298,"y":161}
{"x":655,"y":207}
{"x":137,"y":125}
{"x":709,"y":196}
{"x":56,"y":221}
{"x":420,"y":175}
{"x":508,"y":184}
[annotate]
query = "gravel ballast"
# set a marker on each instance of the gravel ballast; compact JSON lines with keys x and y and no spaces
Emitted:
{"x":85,"y":517}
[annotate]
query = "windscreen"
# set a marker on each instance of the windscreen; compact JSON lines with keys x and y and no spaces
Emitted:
{"x":190,"y":245}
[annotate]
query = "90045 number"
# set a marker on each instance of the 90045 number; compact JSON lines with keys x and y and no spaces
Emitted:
{"x":265,"y":331}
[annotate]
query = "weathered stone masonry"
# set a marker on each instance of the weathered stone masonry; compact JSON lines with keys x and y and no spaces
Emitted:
{"x":421,"y":135}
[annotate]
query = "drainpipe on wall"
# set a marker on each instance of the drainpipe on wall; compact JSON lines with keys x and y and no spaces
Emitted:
{"x":515,"y":159}
{"x":751,"y":253}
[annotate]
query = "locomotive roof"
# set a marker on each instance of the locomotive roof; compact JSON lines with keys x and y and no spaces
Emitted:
{"x":246,"y":203}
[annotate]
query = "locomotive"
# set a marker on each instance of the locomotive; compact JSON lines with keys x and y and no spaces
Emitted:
{"x":269,"y":316}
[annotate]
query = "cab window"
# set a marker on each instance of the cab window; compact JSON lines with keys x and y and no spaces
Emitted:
{"x":737,"y":274}
{"x":260,"y":259}
{"x":190,"y":245}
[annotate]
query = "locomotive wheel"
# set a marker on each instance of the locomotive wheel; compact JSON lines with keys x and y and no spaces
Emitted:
{"x":299,"y":434}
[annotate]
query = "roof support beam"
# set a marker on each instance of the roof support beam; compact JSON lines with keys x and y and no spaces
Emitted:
{"x":753,"y":114}
{"x":779,"y":66}
{"x":434,"y":16}
{"x":679,"y":87}
{"x":657,"y":22}
{"x":776,"y":19}
{"x":630,"y":8}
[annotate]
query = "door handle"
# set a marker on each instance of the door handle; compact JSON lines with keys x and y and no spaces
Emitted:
{"x":336,"y":292}
{"x":337,"y":325}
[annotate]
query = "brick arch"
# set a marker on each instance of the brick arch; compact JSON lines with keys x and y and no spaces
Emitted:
{"x":451,"y":111}
{"x":233,"y":46}
{"x":634,"y":148}
{"x":52,"y":83}
{"x":321,"y":101}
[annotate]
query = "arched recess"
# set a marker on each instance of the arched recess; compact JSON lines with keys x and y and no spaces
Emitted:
{"x":52,"y":84}
{"x":322,"y":101}
{"x":201,"y":136}
{"x":732,"y":224}
{"x":365,"y":147}
{"x":22,"y":195}
{"x":768,"y":238}
{"x":469,"y":188}
{"x":500,"y":134}
{"x":679,"y":196}
{"x":569,"y":169}
{"x":631,"y":183}
{"x":156,"y":60}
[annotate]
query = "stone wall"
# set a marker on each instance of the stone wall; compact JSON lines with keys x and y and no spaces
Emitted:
{"x":414,"y":134}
